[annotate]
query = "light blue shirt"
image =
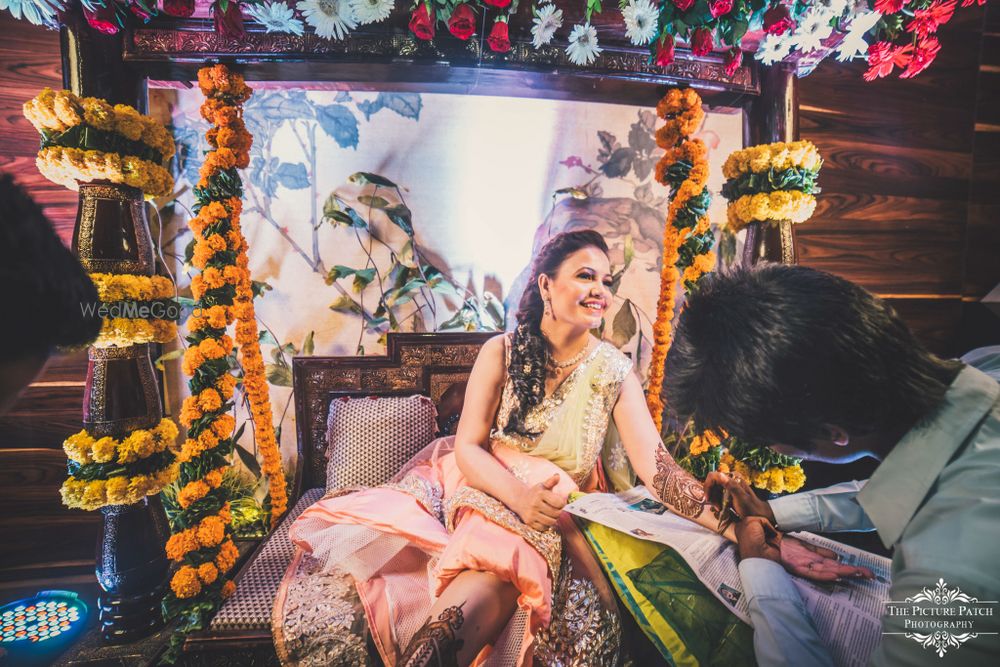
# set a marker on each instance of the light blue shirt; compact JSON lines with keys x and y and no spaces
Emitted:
{"x":936,"y":500}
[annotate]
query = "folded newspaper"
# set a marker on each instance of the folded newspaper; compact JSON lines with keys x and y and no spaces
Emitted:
{"x":847,"y":615}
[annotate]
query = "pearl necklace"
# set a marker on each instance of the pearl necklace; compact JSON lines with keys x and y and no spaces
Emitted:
{"x":575,"y":359}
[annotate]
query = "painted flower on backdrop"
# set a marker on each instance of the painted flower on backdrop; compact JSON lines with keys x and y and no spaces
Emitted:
{"x":275,"y":17}
{"x":39,"y":12}
{"x":548,"y":19}
{"x":583,"y":48}
{"x":371,"y":11}
{"x":641,"y":21}
{"x":332,"y":19}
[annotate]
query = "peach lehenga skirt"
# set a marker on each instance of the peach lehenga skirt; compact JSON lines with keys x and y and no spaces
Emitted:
{"x":403,"y":542}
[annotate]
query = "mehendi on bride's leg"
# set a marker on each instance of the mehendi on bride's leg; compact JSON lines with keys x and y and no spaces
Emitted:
{"x":676,"y":487}
{"x":470,"y":613}
{"x":437,"y":642}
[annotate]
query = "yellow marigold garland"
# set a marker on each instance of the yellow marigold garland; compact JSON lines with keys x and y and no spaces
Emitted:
{"x":687,"y":239}
{"x":54,"y":111}
{"x":71,"y":166}
{"x":107,"y":471}
{"x":86,"y":139}
{"x":155,"y":293}
{"x":771,"y":183}
{"x":791,"y":205}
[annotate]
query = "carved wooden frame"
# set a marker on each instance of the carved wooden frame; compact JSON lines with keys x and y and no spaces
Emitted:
{"x":414,"y":363}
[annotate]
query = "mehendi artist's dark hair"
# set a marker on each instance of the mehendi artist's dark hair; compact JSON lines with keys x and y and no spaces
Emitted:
{"x":44,"y":284}
{"x":529,"y":354}
{"x":775,"y":352}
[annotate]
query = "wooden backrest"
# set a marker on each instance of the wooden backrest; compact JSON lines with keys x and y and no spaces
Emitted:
{"x":436,"y":365}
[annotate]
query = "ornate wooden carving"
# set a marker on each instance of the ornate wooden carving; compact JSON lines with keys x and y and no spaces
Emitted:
{"x":427,"y":364}
{"x":193,"y":40}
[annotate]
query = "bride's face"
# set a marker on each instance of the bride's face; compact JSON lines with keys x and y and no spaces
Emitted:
{"x":581,"y":289}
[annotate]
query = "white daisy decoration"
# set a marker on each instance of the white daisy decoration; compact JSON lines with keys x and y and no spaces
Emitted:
{"x":332,"y":19}
{"x":275,"y":17}
{"x":813,"y":28}
{"x":583,"y":48}
{"x":854,"y":44}
{"x":641,"y":21}
{"x":772,"y":49}
{"x":39,"y":12}
{"x":371,"y":11}
{"x":547,"y":20}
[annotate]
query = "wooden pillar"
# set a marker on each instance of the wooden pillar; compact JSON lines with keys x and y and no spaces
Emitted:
{"x":773,"y":116}
{"x":121,"y":392}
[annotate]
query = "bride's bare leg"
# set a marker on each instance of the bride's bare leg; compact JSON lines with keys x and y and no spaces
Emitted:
{"x":471,"y":613}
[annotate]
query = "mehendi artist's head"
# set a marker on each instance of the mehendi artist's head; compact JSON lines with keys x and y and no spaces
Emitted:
{"x":45,"y":288}
{"x":799,"y":359}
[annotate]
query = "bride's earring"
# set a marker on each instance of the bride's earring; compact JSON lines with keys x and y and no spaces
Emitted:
{"x":548,"y":307}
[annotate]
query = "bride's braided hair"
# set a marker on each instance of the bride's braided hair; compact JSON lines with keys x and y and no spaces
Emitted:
{"x":529,"y":354}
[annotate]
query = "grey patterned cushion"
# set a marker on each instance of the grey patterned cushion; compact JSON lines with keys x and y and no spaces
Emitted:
{"x":369,"y":439}
{"x":250,"y":606}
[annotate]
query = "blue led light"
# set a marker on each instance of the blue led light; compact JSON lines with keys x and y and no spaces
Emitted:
{"x":34,"y":629}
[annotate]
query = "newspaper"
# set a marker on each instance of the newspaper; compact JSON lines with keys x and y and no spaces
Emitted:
{"x":847,"y":615}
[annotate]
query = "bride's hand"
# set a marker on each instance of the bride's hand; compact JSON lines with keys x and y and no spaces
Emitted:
{"x":812,"y":562}
{"x":539,"y":507}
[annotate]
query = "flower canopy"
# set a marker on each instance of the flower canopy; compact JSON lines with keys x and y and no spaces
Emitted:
{"x":893,"y":36}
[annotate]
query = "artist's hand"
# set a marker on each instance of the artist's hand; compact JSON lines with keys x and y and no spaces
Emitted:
{"x":539,"y":507}
{"x":744,"y":502}
{"x":757,"y":538}
{"x":812,"y":562}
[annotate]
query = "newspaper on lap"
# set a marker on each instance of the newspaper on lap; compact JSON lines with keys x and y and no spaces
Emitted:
{"x":847,"y":615}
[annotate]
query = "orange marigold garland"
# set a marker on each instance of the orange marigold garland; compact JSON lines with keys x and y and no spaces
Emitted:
{"x":202,"y":544}
{"x":687,"y":239}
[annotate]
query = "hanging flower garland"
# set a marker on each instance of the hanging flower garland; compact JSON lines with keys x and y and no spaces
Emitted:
{"x":761,"y":466}
{"x":687,"y":238}
{"x":105,"y":471}
{"x":771,"y":183}
{"x":231,"y":140}
{"x":202,"y":542}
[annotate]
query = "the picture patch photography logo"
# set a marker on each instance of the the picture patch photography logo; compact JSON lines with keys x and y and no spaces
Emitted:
{"x":941,"y":618}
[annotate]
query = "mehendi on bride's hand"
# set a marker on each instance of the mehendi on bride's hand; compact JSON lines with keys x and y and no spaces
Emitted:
{"x":676,"y":487}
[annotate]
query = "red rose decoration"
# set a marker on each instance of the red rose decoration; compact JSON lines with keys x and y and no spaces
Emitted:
{"x":702,"y":42}
{"x":777,"y":20}
{"x":925,"y":53}
{"x":179,"y":8}
{"x":102,"y":19}
{"x":499,"y":4}
{"x":421,"y":23}
{"x":665,"y":51}
{"x":719,"y":7}
{"x":499,"y":40}
{"x":733,"y":60}
{"x":889,"y":6}
{"x":683,"y":5}
{"x":462,"y":23}
{"x":228,"y":21}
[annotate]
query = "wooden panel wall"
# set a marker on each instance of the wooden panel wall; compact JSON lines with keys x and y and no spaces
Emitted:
{"x":910,"y":209}
{"x":910,"y":170}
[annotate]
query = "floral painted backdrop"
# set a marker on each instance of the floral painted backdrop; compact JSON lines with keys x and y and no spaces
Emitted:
{"x":374,"y":211}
